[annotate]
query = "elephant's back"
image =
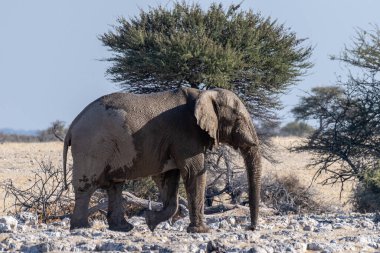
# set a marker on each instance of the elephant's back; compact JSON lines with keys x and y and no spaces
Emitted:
{"x":144,"y":104}
{"x":117,"y":111}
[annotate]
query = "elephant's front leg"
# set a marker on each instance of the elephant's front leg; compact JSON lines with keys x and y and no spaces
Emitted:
{"x":194,"y":177}
{"x":168,"y":184}
{"x":115,"y":214}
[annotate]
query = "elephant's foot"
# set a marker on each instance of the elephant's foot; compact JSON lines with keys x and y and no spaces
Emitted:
{"x":76,"y":224}
{"x":198,"y":229}
{"x":119,"y":224}
{"x":251,"y":228}
{"x":151,"y":220}
{"x":121,"y":227}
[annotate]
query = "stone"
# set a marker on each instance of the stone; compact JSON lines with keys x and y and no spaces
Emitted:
{"x":110,"y":246}
{"x":42,"y":247}
{"x":223,"y":224}
{"x":257,"y":249}
{"x":231,"y":220}
{"x":133,"y":248}
{"x":300,"y":247}
{"x":86,"y":247}
{"x":315,"y":246}
{"x":193,"y":248}
{"x":27,"y":218}
{"x":215,"y":246}
{"x":8,"y":224}
{"x":308,"y":228}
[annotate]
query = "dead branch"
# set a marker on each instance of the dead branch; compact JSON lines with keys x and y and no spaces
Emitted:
{"x":129,"y":198}
{"x":222,"y":208}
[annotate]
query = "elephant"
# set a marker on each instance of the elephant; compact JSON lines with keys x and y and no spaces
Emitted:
{"x":123,"y":136}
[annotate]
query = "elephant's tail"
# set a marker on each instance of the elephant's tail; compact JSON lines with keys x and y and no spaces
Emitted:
{"x":67,"y":143}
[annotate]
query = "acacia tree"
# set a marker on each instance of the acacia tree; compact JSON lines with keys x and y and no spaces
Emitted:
{"x":185,"y":45}
{"x":164,"y":48}
{"x":318,"y":103}
{"x":350,"y":132}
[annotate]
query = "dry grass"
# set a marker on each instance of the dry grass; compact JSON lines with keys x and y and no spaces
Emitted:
{"x":296,"y":164}
{"x":18,"y":160}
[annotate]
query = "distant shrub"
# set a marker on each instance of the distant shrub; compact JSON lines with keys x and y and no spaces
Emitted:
{"x":17,"y":138}
{"x":56,"y":131}
{"x":296,"y":128}
{"x":287,"y":195}
{"x":144,"y":188}
{"x":366,"y":196}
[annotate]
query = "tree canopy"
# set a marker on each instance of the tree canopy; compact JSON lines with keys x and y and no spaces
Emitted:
{"x":315,"y":105}
{"x":185,"y":45}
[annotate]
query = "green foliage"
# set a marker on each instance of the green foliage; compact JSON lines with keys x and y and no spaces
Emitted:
{"x":239,"y":50}
{"x":296,"y":128}
{"x":371,"y":179}
{"x":144,"y":188}
{"x":366,"y":196}
{"x":364,"y":54}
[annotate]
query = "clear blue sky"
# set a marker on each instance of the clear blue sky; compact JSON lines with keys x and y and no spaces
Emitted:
{"x":49,"y":50}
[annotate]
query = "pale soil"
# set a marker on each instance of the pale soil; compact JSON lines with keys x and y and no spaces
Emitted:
{"x":291,"y":163}
{"x":18,"y":160}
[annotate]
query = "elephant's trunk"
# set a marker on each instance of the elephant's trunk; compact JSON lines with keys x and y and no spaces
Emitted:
{"x":252,"y":160}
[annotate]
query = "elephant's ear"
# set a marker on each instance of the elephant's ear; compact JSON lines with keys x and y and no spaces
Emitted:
{"x":206,"y":114}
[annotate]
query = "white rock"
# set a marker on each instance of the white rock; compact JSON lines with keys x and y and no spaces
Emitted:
{"x":7,"y":224}
{"x":28,"y":218}
{"x":110,"y":246}
{"x":193,"y":248}
{"x":231,"y":220}
{"x":300,"y":246}
{"x":258,"y":249}
{"x":223,"y":224}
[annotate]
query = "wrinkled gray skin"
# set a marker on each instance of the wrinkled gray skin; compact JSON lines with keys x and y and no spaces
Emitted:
{"x":124,"y":136}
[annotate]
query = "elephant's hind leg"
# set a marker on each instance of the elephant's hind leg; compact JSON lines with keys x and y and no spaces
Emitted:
{"x":79,"y":218}
{"x":115,"y":214}
{"x":168,"y":184}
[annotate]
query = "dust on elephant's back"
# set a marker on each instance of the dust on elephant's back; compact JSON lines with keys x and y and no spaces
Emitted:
{"x":102,"y":140}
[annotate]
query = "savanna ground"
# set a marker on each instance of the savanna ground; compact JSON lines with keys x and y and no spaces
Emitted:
{"x":333,"y":232}
{"x":18,"y":160}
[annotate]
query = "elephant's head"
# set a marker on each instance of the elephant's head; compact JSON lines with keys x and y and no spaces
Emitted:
{"x":223,"y":116}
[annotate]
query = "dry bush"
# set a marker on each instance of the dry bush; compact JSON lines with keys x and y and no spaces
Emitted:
{"x":366,"y":195}
{"x":365,"y":199}
{"x":46,"y":196}
{"x":226,"y":175}
{"x":143,"y":188}
{"x":287,"y":195}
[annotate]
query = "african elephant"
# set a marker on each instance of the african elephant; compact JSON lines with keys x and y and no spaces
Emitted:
{"x":124,"y":136}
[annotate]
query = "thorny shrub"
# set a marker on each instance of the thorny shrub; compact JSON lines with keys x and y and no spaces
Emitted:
{"x":46,"y":195}
{"x":288,"y":195}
